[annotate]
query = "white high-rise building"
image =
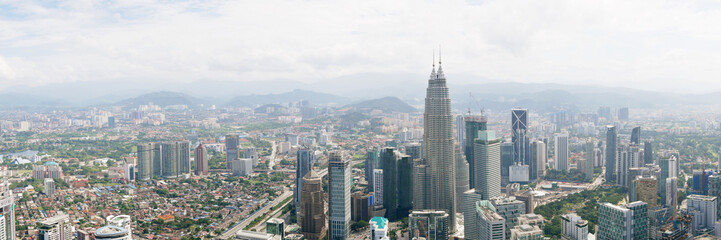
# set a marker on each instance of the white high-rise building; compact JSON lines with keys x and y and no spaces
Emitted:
{"x":378,"y":187}
{"x":573,"y":227}
{"x":339,"y":180}
{"x":7,"y":212}
{"x":242,"y":167}
{"x":438,"y":145}
{"x":671,"y":192}
{"x":49,"y":187}
{"x":491,"y":226}
{"x":560,"y":151}
{"x":703,"y":209}
{"x":57,"y":227}
{"x":487,"y":158}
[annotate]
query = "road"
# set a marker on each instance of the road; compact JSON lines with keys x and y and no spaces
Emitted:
{"x":231,"y":232}
{"x":271,"y":158}
{"x":598,"y":181}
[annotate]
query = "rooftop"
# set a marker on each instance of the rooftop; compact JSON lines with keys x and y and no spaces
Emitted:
{"x":379,"y":221}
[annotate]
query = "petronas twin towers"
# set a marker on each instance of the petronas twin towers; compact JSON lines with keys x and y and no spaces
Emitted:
{"x":438,"y":149}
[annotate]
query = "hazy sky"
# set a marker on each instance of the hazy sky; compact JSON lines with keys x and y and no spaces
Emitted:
{"x":651,"y":44}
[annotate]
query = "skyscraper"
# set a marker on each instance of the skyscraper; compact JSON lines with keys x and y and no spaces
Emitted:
{"x":157,"y":159}
{"x":438,"y":145}
{"x":145,"y":161}
{"x":201,"y":160}
{"x":648,"y":152}
{"x":389,"y":160}
{"x":7,"y":212}
{"x":170,"y":164}
{"x":378,"y":187}
{"x":623,"y":114}
{"x":704,"y":212}
{"x":473,"y":123}
{"x":588,"y":164}
{"x":339,"y":180}
{"x":421,"y":181}
{"x":232,"y":149}
{"x":183,"y":154}
{"x":636,"y":135}
{"x":619,"y":222}
{"x":561,"y":151}
{"x":487,"y":155}
{"x":49,"y":187}
{"x":460,"y":129}
{"x":461,"y":177}
{"x":644,"y":189}
{"x":519,"y":120}
{"x":610,"y":153}
{"x":714,"y":189}
{"x":537,"y":157}
{"x":506,"y":162}
{"x":370,"y":165}
{"x":304,"y":159}
{"x":405,"y":185}
{"x":312,"y":216}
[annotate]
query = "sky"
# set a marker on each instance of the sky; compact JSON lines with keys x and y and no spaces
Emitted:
{"x":658,"y":45}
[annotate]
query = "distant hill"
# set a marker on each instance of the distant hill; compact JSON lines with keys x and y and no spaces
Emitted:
{"x":162,"y":98}
{"x":293,"y":96}
{"x":29,"y":102}
{"x":386,"y":104}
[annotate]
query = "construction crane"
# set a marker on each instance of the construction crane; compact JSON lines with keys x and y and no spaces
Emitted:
{"x":425,"y":235}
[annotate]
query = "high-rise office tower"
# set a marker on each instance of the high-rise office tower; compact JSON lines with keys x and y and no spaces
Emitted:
{"x":623,"y":114}
{"x":378,"y":187}
{"x":636,"y":135}
{"x":429,"y":224}
{"x":49,"y":185}
{"x":644,"y":189}
{"x":519,"y":121}
{"x":623,"y":222}
{"x":7,"y":212}
{"x":588,"y":163}
{"x":460,"y":129}
{"x":561,"y":151}
{"x":183,"y":154}
{"x":232,"y":149}
{"x":506,"y":162}
{"x":714,"y":189}
{"x":405,"y":185}
{"x":490,"y":224}
{"x":470,"y":221}
{"x":339,"y":180}
{"x":671,"y":192}
{"x":201,"y":160}
{"x":389,"y":161}
{"x":627,"y":157}
{"x":610,"y":153}
{"x":57,"y":227}
{"x":537,"y":157}
{"x":704,"y":212}
{"x":370,"y":165}
{"x":312,"y":216}
{"x":275,"y":226}
{"x":487,"y":155}
{"x":421,"y":181}
{"x":438,"y":145}
{"x":648,"y":152}
{"x":129,"y":172}
{"x":461,"y":177}
{"x":304,"y":158}
{"x":473,"y":123}
{"x":170,"y":160}
{"x":145,"y":161}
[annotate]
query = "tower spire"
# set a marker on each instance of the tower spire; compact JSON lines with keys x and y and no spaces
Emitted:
{"x":439,"y":55}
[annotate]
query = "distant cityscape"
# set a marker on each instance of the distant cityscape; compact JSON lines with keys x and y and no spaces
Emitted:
{"x":379,"y":170}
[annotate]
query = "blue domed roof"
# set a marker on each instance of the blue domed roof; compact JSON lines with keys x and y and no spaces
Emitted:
{"x":51,"y":163}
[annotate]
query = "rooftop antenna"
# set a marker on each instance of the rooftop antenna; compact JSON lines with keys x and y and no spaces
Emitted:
{"x":439,"y":54}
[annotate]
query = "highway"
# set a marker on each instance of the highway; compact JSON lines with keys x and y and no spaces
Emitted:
{"x":231,"y":232}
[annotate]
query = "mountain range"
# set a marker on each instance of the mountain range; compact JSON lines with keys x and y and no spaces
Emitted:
{"x":344,"y":91}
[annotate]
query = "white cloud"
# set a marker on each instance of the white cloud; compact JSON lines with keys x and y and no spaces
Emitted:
{"x":641,"y":44}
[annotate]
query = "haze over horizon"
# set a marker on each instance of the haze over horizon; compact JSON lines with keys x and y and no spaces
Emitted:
{"x":647,"y":45}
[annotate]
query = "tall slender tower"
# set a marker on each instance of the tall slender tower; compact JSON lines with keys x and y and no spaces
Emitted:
{"x":304,"y":160}
{"x":339,"y":180}
{"x":438,"y":145}
{"x":201,"y":160}
{"x":610,"y":153}
{"x":519,"y":121}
